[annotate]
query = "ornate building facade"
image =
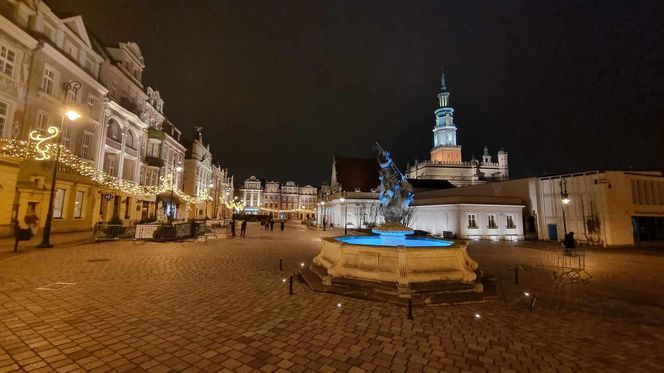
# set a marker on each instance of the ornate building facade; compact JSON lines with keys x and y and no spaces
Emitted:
{"x":446,"y":162}
{"x":122,"y":159}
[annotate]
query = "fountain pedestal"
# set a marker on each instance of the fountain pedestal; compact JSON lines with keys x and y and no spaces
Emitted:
{"x":424,"y":274}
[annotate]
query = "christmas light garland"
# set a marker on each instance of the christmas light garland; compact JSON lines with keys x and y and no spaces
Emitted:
{"x":26,"y":150}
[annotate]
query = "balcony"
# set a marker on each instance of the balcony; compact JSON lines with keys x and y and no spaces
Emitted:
{"x":154,"y":161}
{"x":154,"y":133}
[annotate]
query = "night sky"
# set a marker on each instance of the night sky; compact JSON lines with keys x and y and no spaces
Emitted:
{"x":280,"y":86}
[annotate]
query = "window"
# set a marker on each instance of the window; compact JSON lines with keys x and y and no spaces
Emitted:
{"x":85,"y":145}
{"x":48,"y":80}
{"x":71,"y":49}
{"x":66,"y":137}
{"x":510,"y":222}
{"x":91,"y":105}
{"x":72,"y":94}
{"x":78,"y":204}
{"x":7,"y":60}
{"x":42,"y":122}
{"x":4,"y":111}
{"x":48,"y":31}
{"x":472,"y":221}
{"x":110,"y":165}
{"x":113,"y":130}
{"x":492,"y":221}
{"x":58,"y":203}
{"x":130,"y":140}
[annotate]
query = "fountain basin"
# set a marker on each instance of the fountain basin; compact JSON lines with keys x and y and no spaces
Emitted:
{"x":420,"y":260}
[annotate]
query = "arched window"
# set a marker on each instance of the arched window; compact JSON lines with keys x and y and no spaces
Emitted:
{"x":113,"y":130}
{"x":130,"y":141}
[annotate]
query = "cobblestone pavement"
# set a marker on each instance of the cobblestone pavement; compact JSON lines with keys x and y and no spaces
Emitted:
{"x":222,"y":305}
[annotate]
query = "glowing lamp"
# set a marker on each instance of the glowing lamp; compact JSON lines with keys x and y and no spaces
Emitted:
{"x":72,"y":115}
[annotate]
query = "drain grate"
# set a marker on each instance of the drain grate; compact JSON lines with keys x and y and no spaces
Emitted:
{"x":97,"y":260}
{"x":56,"y":286}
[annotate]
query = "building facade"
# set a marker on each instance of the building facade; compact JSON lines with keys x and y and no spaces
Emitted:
{"x":121,"y":160}
{"x":281,"y":201}
{"x":252,"y":195}
{"x":437,"y":208}
{"x":446,"y":162}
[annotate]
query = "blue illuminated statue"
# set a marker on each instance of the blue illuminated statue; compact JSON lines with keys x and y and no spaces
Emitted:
{"x":396,"y":193}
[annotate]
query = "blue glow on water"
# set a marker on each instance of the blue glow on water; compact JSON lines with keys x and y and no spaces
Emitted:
{"x":408,"y":241}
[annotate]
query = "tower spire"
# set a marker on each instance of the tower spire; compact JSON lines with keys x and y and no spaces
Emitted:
{"x":443,"y":88}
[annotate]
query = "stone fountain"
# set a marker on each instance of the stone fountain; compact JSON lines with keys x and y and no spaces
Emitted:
{"x":392,"y":264}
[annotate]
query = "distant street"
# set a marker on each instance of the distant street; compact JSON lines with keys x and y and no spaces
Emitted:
{"x":223,"y":305}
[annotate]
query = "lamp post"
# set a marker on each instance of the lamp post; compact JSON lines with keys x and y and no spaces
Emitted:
{"x":564,"y":198}
{"x":210,"y":185}
{"x":46,"y":237}
{"x":343,"y":200}
{"x":323,"y":213}
{"x":176,"y":171}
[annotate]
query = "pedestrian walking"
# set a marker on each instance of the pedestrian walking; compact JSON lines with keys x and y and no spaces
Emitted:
{"x":271,"y":224}
{"x":243,"y":229}
{"x":282,"y":225}
{"x":31,"y":220}
{"x":262,"y":225}
{"x":232,"y":225}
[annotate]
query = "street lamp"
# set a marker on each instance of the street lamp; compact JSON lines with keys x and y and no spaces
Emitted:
{"x":46,"y":237}
{"x":564,"y":198}
{"x":343,"y":200}
{"x":177,"y":170}
{"x":210,"y":185}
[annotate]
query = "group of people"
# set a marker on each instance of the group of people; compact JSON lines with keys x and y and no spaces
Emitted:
{"x":266,"y":224}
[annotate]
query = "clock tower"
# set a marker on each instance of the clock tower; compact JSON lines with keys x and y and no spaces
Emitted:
{"x":445,"y":148}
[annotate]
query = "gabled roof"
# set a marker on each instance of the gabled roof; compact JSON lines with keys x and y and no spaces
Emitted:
{"x":77,"y":26}
{"x":357,"y":173}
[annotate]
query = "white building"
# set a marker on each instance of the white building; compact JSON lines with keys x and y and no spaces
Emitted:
{"x":252,"y":195}
{"x":603,"y":207}
{"x":437,"y":211}
{"x":446,"y":162}
{"x":198,"y":177}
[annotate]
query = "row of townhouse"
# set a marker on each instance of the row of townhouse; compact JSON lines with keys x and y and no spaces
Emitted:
{"x":286,"y":200}
{"x":123,"y":160}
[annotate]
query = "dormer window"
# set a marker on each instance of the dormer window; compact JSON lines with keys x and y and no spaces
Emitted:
{"x":70,"y":49}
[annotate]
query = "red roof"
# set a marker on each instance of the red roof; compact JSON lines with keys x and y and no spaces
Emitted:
{"x":357,"y":173}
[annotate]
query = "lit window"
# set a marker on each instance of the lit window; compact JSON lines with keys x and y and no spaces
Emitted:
{"x":492,"y":221}
{"x":78,"y":204}
{"x":510,"y":222}
{"x":58,"y":203}
{"x":472,"y":221}
{"x":48,"y":80}
{"x":4,"y":111}
{"x":7,"y":60}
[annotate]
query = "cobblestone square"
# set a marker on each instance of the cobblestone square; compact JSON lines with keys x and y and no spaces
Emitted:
{"x":223,"y":305}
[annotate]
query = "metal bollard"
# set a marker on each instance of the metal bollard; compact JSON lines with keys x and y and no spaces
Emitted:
{"x":516,"y":275}
{"x":290,"y":286}
{"x":410,"y":309}
{"x":281,"y":265}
